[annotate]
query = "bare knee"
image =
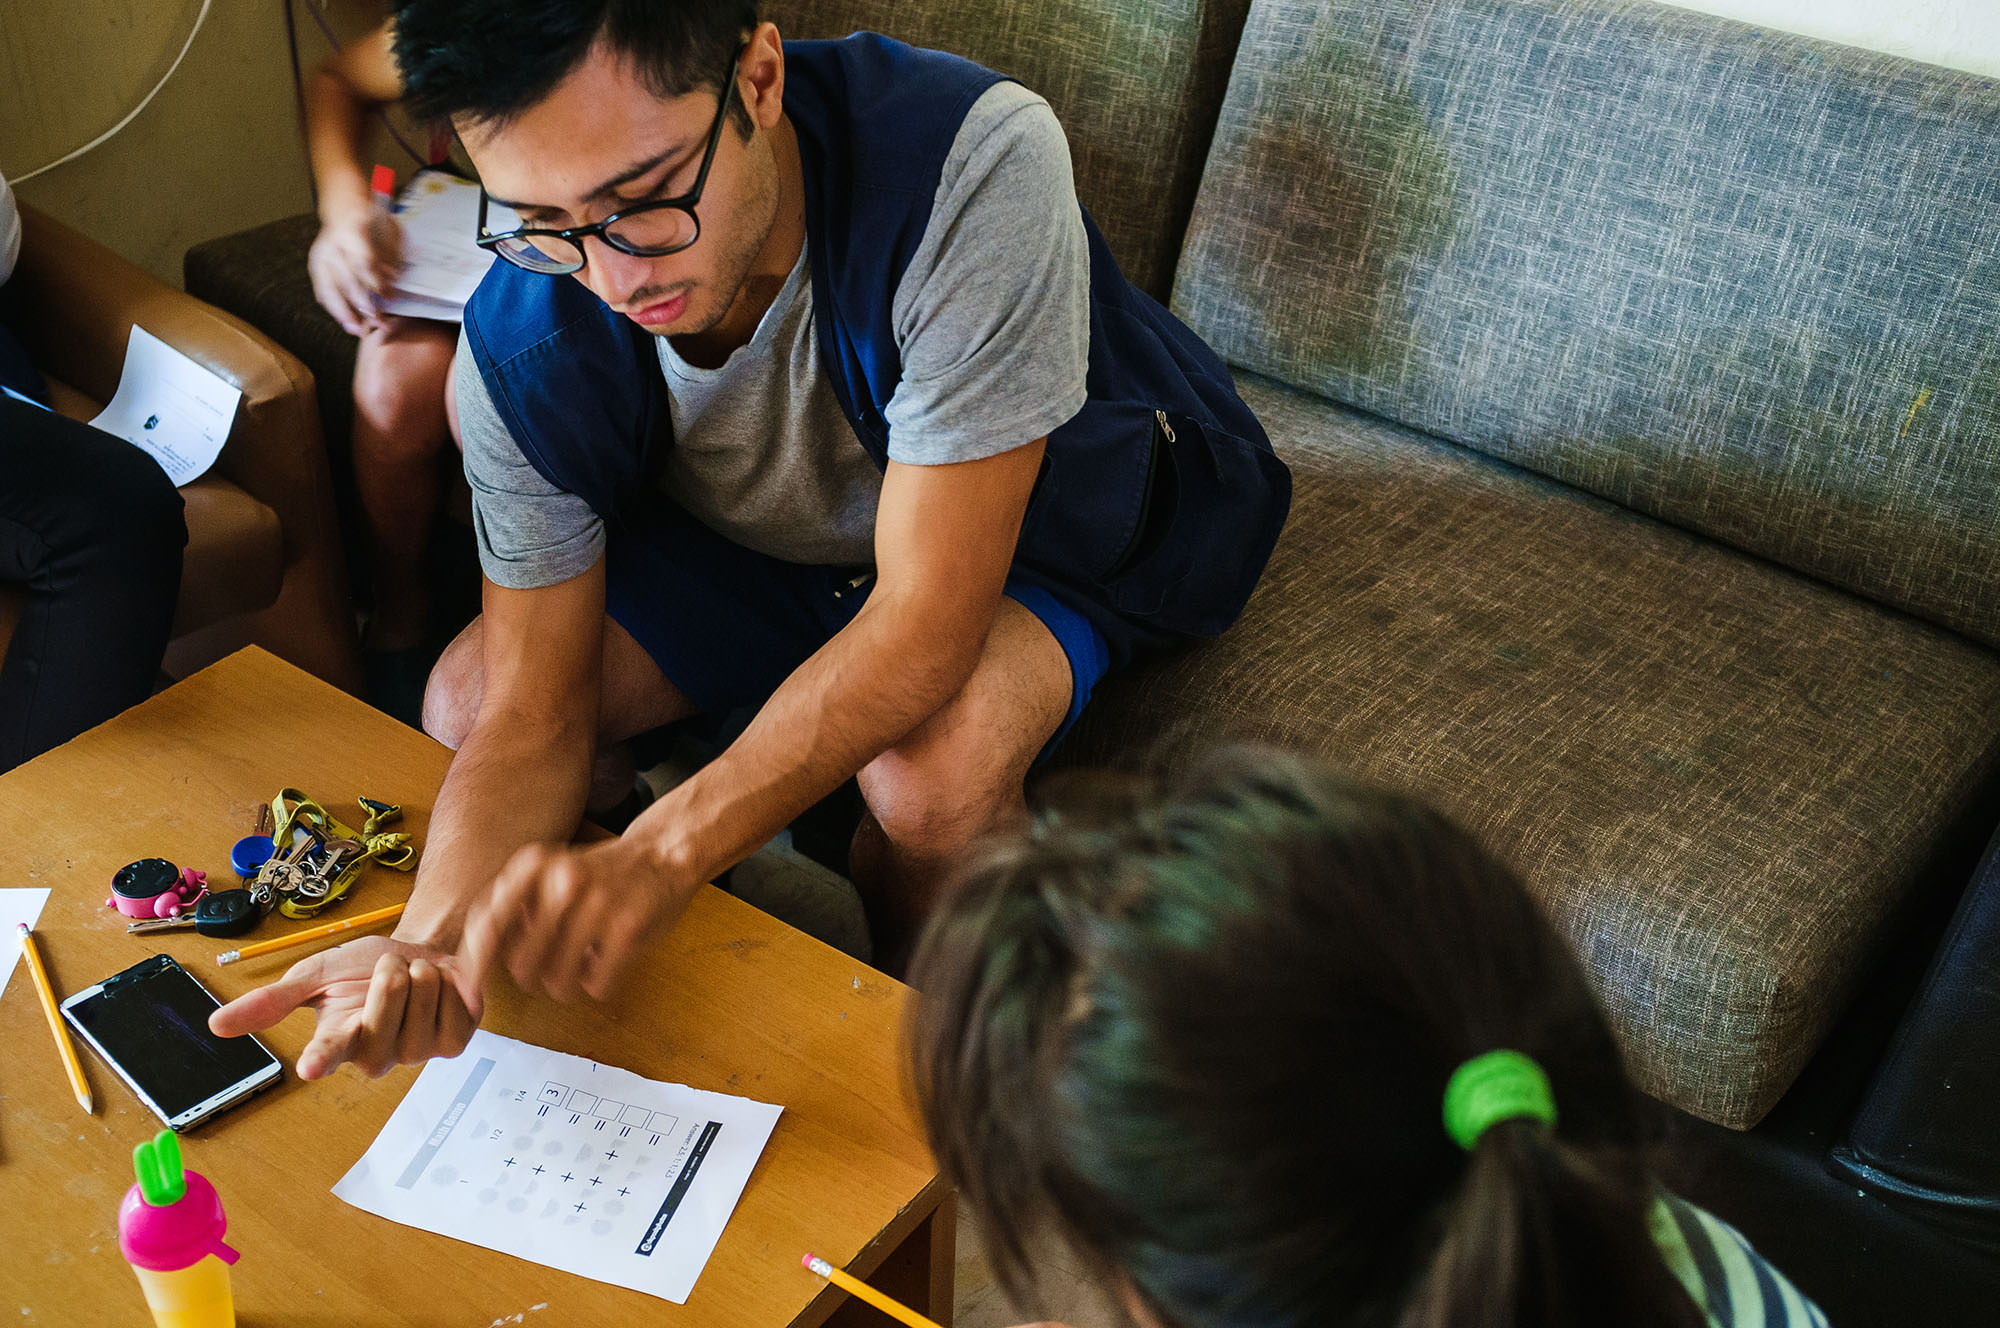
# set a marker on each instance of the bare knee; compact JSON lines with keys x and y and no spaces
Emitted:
{"x":958,"y":775}
{"x":932,"y":802}
{"x":451,"y":405}
{"x":457,"y":683}
{"x":399,"y":393}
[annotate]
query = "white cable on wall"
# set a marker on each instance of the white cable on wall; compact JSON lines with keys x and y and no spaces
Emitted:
{"x":104,"y":137}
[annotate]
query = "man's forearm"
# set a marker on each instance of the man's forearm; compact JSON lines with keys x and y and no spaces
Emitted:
{"x":868,"y":687}
{"x":512,"y":782}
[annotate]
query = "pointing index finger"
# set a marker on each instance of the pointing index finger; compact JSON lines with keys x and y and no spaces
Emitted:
{"x":257,"y":1010}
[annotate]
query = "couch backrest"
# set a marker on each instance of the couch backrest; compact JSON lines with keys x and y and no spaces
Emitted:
{"x":1135,"y":85}
{"x":1739,"y":280}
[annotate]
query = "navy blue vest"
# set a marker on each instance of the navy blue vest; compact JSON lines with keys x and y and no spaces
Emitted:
{"x":1159,"y":502}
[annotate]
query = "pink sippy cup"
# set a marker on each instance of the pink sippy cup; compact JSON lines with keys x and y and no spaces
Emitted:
{"x":170,"y":1230}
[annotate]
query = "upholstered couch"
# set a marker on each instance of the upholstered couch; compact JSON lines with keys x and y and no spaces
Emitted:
{"x":263,"y":561}
{"x":1640,"y":374}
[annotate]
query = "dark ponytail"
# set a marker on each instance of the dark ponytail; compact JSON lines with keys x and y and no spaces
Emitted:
{"x":1204,"y":1034}
{"x":1546,"y":1232}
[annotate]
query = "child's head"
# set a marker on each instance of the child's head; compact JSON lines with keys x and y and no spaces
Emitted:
{"x":1206,"y":1037}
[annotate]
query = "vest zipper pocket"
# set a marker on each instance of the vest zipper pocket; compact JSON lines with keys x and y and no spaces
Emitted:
{"x":1139,"y":545}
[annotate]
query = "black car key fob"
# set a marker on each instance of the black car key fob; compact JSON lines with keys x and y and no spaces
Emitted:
{"x":218,"y":913}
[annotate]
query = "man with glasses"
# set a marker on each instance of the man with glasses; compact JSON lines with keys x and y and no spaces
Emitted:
{"x":805,"y":387}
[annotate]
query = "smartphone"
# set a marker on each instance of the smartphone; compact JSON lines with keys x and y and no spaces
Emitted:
{"x":150,"y":1024}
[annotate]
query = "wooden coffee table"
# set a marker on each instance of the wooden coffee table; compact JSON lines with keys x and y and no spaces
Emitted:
{"x":732,"y":1000}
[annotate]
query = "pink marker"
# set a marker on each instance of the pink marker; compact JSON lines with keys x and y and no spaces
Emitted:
{"x":382,"y":222}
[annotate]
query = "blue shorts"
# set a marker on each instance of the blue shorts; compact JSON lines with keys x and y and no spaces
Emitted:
{"x":727,"y":624}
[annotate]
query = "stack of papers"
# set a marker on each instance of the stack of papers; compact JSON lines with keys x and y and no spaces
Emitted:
{"x":442,"y":263}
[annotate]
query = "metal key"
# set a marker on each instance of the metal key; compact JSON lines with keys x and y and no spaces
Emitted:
{"x":219,"y":913}
{"x":283,"y":874}
{"x":320,"y":877}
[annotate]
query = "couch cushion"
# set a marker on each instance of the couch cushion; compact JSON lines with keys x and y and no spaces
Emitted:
{"x":1136,"y":86}
{"x":1720,"y":777}
{"x":66,"y":400}
{"x":235,"y":557}
{"x":1738,"y":279}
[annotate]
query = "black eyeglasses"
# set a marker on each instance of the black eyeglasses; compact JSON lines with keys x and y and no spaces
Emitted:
{"x":645,"y":230}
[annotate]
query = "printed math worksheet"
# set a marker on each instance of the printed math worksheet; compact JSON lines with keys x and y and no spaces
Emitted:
{"x":571,"y":1164}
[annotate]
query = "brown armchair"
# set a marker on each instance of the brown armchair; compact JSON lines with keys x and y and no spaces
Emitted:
{"x":263,"y":562}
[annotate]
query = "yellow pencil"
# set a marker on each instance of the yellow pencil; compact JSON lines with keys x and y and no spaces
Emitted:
{"x":309,"y":934}
{"x":63,"y":1044}
{"x":854,"y":1286}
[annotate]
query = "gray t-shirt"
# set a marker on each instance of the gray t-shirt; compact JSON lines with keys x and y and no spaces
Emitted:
{"x":992,"y":318}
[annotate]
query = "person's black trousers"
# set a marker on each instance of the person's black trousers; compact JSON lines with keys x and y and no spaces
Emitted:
{"x":92,"y":531}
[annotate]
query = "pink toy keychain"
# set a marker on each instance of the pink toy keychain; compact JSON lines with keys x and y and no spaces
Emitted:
{"x":170,"y":1230}
{"x":155,"y":888}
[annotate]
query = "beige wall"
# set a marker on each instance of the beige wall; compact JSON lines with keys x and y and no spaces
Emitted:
{"x":217,"y":151}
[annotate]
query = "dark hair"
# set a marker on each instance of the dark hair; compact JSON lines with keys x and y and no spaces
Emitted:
{"x":1205,"y":1035}
{"x":489,"y":62}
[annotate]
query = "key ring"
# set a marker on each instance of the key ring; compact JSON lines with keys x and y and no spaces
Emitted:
{"x":310,"y":891}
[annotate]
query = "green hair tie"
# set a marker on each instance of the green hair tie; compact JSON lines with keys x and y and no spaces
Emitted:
{"x":1496,"y":1086}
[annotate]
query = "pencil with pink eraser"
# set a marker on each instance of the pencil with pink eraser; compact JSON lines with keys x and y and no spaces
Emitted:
{"x":40,"y":977}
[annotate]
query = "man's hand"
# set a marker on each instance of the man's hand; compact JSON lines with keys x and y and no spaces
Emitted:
{"x":381,"y":1003}
{"x":353,"y":260}
{"x":569,"y":920}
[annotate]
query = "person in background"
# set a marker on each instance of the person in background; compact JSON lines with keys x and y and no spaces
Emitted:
{"x":1275,"y":1048}
{"x":401,"y":368}
{"x":91,"y":535}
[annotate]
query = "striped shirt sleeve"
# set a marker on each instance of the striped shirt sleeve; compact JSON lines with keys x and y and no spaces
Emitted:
{"x":1734,"y":1286}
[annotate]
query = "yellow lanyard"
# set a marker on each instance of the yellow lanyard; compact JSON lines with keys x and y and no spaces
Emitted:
{"x":304,"y":894}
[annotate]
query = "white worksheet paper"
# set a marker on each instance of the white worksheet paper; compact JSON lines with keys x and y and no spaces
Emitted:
{"x":170,"y":407}
{"x":442,"y":263}
{"x":564,"y":1162}
{"x":16,"y":907}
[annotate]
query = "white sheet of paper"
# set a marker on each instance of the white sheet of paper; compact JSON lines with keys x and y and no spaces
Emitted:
{"x":442,"y":265}
{"x":16,"y":907}
{"x":564,"y":1162}
{"x":170,"y":407}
